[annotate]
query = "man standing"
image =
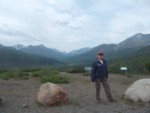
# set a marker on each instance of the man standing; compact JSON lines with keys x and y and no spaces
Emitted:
{"x":100,"y":75}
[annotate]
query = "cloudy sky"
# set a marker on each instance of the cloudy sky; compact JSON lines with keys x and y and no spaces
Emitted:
{"x":72,"y":24}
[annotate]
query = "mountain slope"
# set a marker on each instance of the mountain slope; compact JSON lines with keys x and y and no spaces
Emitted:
{"x":10,"y":57}
{"x":50,"y":53}
{"x":136,"y":41}
{"x":135,"y":62}
{"x":112,"y":51}
{"x":79,"y":51}
{"x":41,"y":50}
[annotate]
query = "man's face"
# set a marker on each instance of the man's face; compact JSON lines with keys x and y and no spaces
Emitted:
{"x":100,"y":57}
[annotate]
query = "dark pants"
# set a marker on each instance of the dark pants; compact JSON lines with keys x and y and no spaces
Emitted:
{"x":104,"y":81}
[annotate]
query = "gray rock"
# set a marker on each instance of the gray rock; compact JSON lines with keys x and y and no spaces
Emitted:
{"x":139,"y":91}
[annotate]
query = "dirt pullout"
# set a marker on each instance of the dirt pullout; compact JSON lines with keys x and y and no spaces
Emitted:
{"x":19,"y":96}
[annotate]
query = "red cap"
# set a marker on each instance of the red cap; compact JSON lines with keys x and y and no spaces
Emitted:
{"x":100,"y":53}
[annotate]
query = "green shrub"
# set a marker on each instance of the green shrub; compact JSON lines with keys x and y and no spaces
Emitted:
{"x":5,"y":76}
{"x":2,"y":71}
{"x":52,"y":75}
{"x":31,"y":69}
{"x":51,"y":71}
{"x":87,"y":73}
{"x":76,"y":70}
{"x":19,"y":74}
{"x":36,"y":74}
{"x":15,"y":73}
{"x":45,"y":74}
{"x":147,"y":66}
{"x":54,"y":79}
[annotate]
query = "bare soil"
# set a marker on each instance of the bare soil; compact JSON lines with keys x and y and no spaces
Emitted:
{"x":19,"y":96}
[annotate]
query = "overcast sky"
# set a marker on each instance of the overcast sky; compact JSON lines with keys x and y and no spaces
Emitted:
{"x":72,"y":24}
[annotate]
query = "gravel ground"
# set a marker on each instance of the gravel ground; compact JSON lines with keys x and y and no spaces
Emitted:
{"x":19,"y":96}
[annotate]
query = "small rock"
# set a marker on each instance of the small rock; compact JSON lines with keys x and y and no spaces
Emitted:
{"x":25,"y":106}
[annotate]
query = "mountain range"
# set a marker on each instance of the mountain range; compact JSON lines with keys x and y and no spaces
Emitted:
{"x":85,"y":56}
{"x":48,"y":52}
{"x":12,"y":58}
{"x":112,"y":51}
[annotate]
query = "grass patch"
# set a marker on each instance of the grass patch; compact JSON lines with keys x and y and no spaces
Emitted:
{"x":133,"y":103}
{"x":126,"y":82}
{"x":132,"y":75}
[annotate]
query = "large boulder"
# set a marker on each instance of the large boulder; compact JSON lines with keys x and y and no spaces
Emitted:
{"x":50,"y":94}
{"x":139,"y":91}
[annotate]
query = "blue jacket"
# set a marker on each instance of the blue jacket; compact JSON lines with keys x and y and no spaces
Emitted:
{"x":99,"y":70}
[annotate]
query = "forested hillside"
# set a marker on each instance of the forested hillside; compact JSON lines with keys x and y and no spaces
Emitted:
{"x":137,"y":62}
{"x":11,"y":58}
{"x":110,"y":52}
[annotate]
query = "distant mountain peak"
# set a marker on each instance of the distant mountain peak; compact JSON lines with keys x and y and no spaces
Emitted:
{"x":79,"y":51}
{"x":41,"y":45}
{"x":139,"y":35}
{"x":136,"y":40}
{"x":18,"y":46}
